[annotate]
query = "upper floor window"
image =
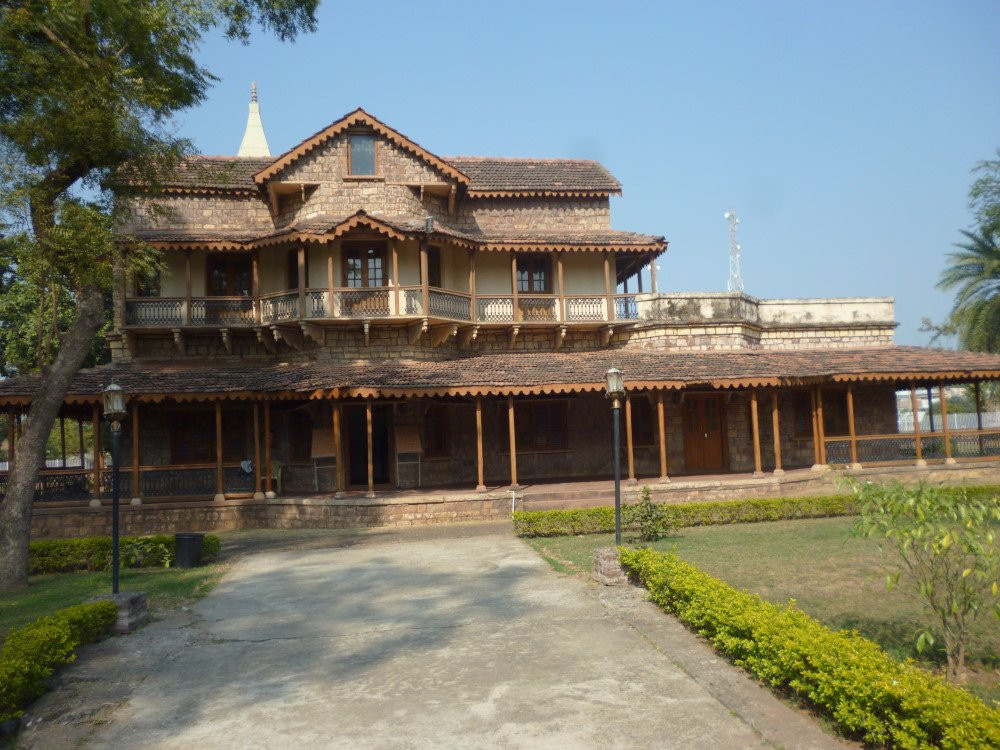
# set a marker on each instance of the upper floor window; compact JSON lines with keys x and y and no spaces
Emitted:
{"x":534,"y":274}
{"x":434,"y":266}
{"x":228,"y":275}
{"x":292,"y":269}
{"x":364,"y":264}
{"x":362,"y":153}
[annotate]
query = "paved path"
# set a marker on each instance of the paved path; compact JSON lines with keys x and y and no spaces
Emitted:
{"x":464,"y":642}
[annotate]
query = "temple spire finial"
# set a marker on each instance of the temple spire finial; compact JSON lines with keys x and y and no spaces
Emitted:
{"x":254,"y":141}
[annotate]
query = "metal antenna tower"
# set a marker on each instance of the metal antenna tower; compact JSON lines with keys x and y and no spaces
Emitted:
{"x":735,"y":279}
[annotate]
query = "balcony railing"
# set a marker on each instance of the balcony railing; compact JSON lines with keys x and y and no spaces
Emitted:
{"x":279,"y":307}
{"x":155,"y":311}
{"x":589,"y":308}
{"x":222,"y":311}
{"x":902,"y":448}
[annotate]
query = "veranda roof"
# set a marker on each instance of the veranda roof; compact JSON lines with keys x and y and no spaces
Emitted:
{"x":510,"y":373}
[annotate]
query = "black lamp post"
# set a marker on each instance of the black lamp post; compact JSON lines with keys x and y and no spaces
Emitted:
{"x":615,"y":390}
{"x":115,"y":412}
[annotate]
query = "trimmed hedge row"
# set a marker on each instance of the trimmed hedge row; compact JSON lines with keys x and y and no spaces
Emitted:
{"x":868,"y":694}
{"x":32,"y":653}
{"x":602,"y":519}
{"x":94,"y":553}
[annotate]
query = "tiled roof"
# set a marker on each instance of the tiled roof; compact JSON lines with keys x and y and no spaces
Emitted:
{"x":215,"y":173}
{"x":499,"y":175}
{"x":502,"y":373}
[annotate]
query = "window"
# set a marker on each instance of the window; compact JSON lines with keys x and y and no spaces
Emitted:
{"x":540,"y":426}
{"x":534,"y":274}
{"x":835,"y":413}
{"x":362,"y":153}
{"x":229,"y":275}
{"x":435,"y":436}
{"x":364,"y":264}
{"x":434,"y":266}
{"x":644,"y":427}
{"x":292,"y":269}
{"x":802,"y":426}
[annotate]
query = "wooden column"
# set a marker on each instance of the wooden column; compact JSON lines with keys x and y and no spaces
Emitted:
{"x":302,"y":281}
{"x":79,"y":433}
{"x":12,"y":439}
{"x":513,"y":443}
{"x":930,"y":409}
{"x":815,"y":429}
{"x":481,"y":485}
{"x":775,"y":427}
{"x":473,"y":304}
{"x":371,"y":448}
{"x":852,"y":433}
{"x":979,"y":414}
{"x":268,"y":484}
{"x":425,"y":292}
{"x":95,"y":439}
{"x":755,"y":428}
{"x":258,"y":492}
{"x":820,"y":427}
{"x":338,"y":448}
{"x":513,"y":286}
{"x":661,"y":422}
{"x":395,"y":278}
{"x":608,"y":288}
{"x":135,"y":453}
{"x":219,"y":483}
{"x":187,"y":287}
{"x":562,"y":288}
{"x":331,"y":283}
{"x":948,"y":459}
{"x":917,"y":441}
{"x":652,"y":273}
{"x":255,"y":284}
{"x":62,"y":438}
{"x":628,"y":439}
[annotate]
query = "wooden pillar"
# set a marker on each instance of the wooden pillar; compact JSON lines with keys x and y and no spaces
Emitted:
{"x":62,"y":438}
{"x":562,"y":288}
{"x":852,"y":433}
{"x":338,"y":448}
{"x":755,"y":428}
{"x":473,"y":304}
{"x":661,"y":422}
{"x":79,"y":434}
{"x":775,"y":427}
{"x":979,"y":414}
{"x":513,"y":443}
{"x":258,"y":492}
{"x":917,"y":441}
{"x":820,"y":426}
{"x":136,"y":479}
{"x":187,"y":287}
{"x":948,"y":459}
{"x":219,"y":483}
{"x":481,"y":485}
{"x":395,"y":278}
{"x":268,"y":484}
{"x":302,"y":281}
{"x":930,"y":409}
{"x":95,"y":439}
{"x":628,"y":439}
{"x":371,"y":448}
{"x":652,"y":273}
{"x":12,"y":439}
{"x":608,"y":289}
{"x":817,"y":464}
{"x":513,"y":286}
{"x":331,"y":283}
{"x":255,"y":283}
{"x":425,"y":291}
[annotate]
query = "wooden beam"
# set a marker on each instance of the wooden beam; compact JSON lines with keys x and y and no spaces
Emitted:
{"x":135,"y":453}
{"x":850,"y":427}
{"x":79,"y":434}
{"x":979,"y":414}
{"x":608,"y":288}
{"x":255,"y":284}
{"x":652,"y":273}
{"x":62,"y":438}
{"x":330,"y":279}
{"x":473,"y":301}
{"x":371,"y":448}
{"x":480,"y":484}
{"x":513,"y":443}
{"x":661,"y":423}
{"x":817,"y":464}
{"x":338,"y":448}
{"x":820,"y":426}
{"x":513,"y":287}
{"x":755,"y":428}
{"x":219,"y":483}
{"x":95,"y":440}
{"x":629,"y":451}
{"x":917,"y":440}
{"x":187,"y":288}
{"x":562,"y":288}
{"x":425,"y":292}
{"x":948,"y":458}
{"x":268,"y":482}
{"x":775,"y":419}
{"x":395,"y":279}
{"x":258,"y":492}
{"x":302,"y":281}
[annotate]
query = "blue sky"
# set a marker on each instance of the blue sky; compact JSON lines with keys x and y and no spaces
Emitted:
{"x":843,"y":134}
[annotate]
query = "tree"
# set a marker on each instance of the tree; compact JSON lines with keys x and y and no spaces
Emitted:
{"x":984,"y":195}
{"x":975,"y":271}
{"x":945,"y":550}
{"x":87,"y":87}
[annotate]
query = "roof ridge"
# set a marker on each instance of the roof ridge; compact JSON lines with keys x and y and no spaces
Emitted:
{"x":543,"y":159}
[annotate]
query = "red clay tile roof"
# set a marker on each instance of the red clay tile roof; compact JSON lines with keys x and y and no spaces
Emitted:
{"x":537,"y":372}
{"x":217,"y":173}
{"x":502,"y":175}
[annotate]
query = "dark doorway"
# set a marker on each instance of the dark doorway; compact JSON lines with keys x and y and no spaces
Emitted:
{"x":357,"y":444}
{"x":703,"y":432}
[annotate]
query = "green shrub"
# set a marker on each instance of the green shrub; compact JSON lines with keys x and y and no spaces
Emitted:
{"x":647,"y":520}
{"x":94,"y":553}
{"x":869,"y":695}
{"x":32,"y":653}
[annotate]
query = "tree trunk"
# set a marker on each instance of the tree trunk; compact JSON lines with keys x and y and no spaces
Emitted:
{"x":15,"y":513}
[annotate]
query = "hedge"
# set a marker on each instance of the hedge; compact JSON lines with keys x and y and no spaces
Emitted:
{"x":602,"y":519}
{"x":32,"y":653}
{"x":869,"y":695}
{"x":94,"y":552}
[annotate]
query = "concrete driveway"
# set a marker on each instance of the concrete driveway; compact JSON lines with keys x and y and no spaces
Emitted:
{"x":450,"y":642}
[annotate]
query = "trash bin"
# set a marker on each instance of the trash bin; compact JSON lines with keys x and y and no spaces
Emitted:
{"x":188,"y":548}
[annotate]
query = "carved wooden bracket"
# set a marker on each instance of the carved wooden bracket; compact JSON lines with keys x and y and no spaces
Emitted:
{"x":466,"y":335}
{"x":605,"y":334}
{"x":267,"y":340}
{"x":290,"y":336}
{"x":366,"y":326}
{"x":560,"y":337}
{"x":440,"y":334}
{"x":513,"y":335}
{"x":227,"y":342}
{"x":416,"y":329}
{"x":179,"y":340}
{"x":313,"y":332}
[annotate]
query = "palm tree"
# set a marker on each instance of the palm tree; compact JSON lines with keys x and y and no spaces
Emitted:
{"x":975,"y":271}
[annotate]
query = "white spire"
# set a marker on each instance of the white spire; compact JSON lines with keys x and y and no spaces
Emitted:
{"x":254,"y":141}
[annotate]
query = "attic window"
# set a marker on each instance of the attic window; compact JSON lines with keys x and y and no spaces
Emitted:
{"x":362,"y":153}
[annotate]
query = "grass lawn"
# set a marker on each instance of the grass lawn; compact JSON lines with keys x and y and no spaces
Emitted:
{"x":834,"y":577}
{"x":165,"y":587}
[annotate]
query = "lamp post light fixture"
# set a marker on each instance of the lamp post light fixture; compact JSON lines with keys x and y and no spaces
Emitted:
{"x":615,"y":391}
{"x":115,"y":412}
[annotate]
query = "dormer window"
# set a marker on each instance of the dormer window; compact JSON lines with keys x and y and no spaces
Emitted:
{"x":362,"y":154}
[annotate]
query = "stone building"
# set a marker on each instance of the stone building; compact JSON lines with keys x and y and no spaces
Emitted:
{"x":359,"y":317}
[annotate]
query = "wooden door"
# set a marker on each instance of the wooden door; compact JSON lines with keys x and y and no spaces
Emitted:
{"x":704,"y":437}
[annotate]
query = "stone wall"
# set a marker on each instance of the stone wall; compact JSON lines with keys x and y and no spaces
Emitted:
{"x":203,"y":213}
